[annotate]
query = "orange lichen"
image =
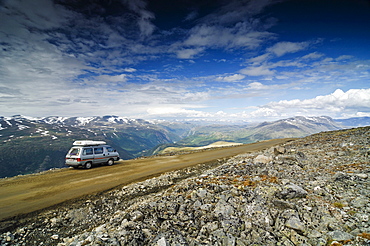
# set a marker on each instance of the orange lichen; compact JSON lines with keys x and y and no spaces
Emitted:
{"x":249,"y":183}
{"x":365,"y":235}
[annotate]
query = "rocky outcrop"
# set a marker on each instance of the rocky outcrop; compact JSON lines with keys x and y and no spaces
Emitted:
{"x":312,"y":191}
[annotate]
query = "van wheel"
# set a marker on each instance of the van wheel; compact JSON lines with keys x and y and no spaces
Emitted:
{"x":110,"y":162}
{"x":88,"y":165}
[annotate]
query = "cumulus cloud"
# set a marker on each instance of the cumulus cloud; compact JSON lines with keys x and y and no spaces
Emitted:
{"x":336,"y":104}
{"x":258,"y":86}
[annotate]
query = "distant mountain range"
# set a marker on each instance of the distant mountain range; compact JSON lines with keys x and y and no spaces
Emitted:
{"x":29,"y":145}
{"x":354,"y":122}
{"x":286,"y":128}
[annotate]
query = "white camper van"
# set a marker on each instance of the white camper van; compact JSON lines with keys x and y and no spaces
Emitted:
{"x":86,"y":153}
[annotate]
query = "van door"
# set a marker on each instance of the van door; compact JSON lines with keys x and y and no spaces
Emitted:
{"x":99,"y":155}
{"x":87,"y":155}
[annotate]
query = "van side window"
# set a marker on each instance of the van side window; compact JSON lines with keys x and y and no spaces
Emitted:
{"x":88,"y":151}
{"x":110,"y":149}
{"x":98,"y":150}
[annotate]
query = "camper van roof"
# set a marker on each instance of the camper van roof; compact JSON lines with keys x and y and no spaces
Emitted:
{"x":88,"y":142}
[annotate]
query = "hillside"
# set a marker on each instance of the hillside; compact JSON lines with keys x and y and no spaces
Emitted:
{"x":29,"y":145}
{"x":311,"y":191}
{"x":292,"y":127}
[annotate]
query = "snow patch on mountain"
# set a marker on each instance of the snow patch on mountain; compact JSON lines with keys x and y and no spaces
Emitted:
{"x":21,"y":127}
{"x":84,"y":120}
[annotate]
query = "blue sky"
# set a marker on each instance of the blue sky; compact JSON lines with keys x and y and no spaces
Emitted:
{"x":247,"y":60}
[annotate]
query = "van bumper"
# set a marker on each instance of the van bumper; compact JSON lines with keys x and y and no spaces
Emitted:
{"x":74,"y":163}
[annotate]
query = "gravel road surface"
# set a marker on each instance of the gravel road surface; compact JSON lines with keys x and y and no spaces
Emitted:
{"x":25,"y":194}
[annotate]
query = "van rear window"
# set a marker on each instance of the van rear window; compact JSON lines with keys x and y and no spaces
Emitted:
{"x":74,"y":151}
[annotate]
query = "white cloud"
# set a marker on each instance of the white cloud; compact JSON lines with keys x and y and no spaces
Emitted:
{"x":188,"y":53}
{"x":263,"y":113}
{"x":282,"y":48}
{"x":144,"y":20}
{"x":337,"y":104}
{"x":39,"y":14}
{"x":191,"y":16}
{"x":344,"y":57}
{"x":235,"y":11}
{"x":231,"y":78}
{"x":224,"y":37}
{"x":231,"y":26}
{"x":176,"y":111}
{"x":259,"y":59}
{"x":110,"y":78}
{"x":130,"y":70}
{"x":257,"y":71}
{"x":258,"y":86}
{"x":312,"y":56}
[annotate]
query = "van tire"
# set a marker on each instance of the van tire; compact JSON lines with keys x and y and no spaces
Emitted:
{"x":110,"y":162}
{"x":88,"y":165}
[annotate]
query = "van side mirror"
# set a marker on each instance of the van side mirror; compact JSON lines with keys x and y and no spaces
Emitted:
{"x":115,"y":150}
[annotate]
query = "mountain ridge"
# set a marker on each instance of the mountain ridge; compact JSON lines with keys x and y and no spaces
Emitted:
{"x":29,"y":144}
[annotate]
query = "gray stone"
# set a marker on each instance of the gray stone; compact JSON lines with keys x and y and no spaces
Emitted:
{"x":162,"y":242}
{"x":314,"y":234}
{"x":296,"y":224}
{"x":291,"y":191}
{"x":361,"y":175}
{"x":281,"y":204}
{"x":224,"y":209}
{"x":206,"y":207}
{"x":339,"y":235}
{"x":360,"y":202}
{"x":362,"y":217}
{"x":202,"y":193}
{"x":55,"y":237}
{"x":137,"y":216}
{"x":262,"y":159}
{"x":279,"y":150}
{"x":289,"y":159}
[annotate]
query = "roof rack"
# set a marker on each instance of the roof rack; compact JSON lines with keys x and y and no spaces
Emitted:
{"x":88,"y":142}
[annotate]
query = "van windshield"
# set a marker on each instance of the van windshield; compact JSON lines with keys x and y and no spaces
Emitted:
{"x":74,"y":151}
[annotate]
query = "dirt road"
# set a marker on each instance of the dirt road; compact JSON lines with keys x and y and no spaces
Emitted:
{"x":25,"y":194}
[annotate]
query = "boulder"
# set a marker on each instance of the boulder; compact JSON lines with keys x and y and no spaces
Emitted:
{"x":263,"y":159}
{"x":291,"y":191}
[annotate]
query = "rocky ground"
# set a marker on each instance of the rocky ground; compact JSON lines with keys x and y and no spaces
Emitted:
{"x":312,"y":191}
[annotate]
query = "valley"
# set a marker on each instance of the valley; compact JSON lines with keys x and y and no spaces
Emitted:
{"x":31,"y":145}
